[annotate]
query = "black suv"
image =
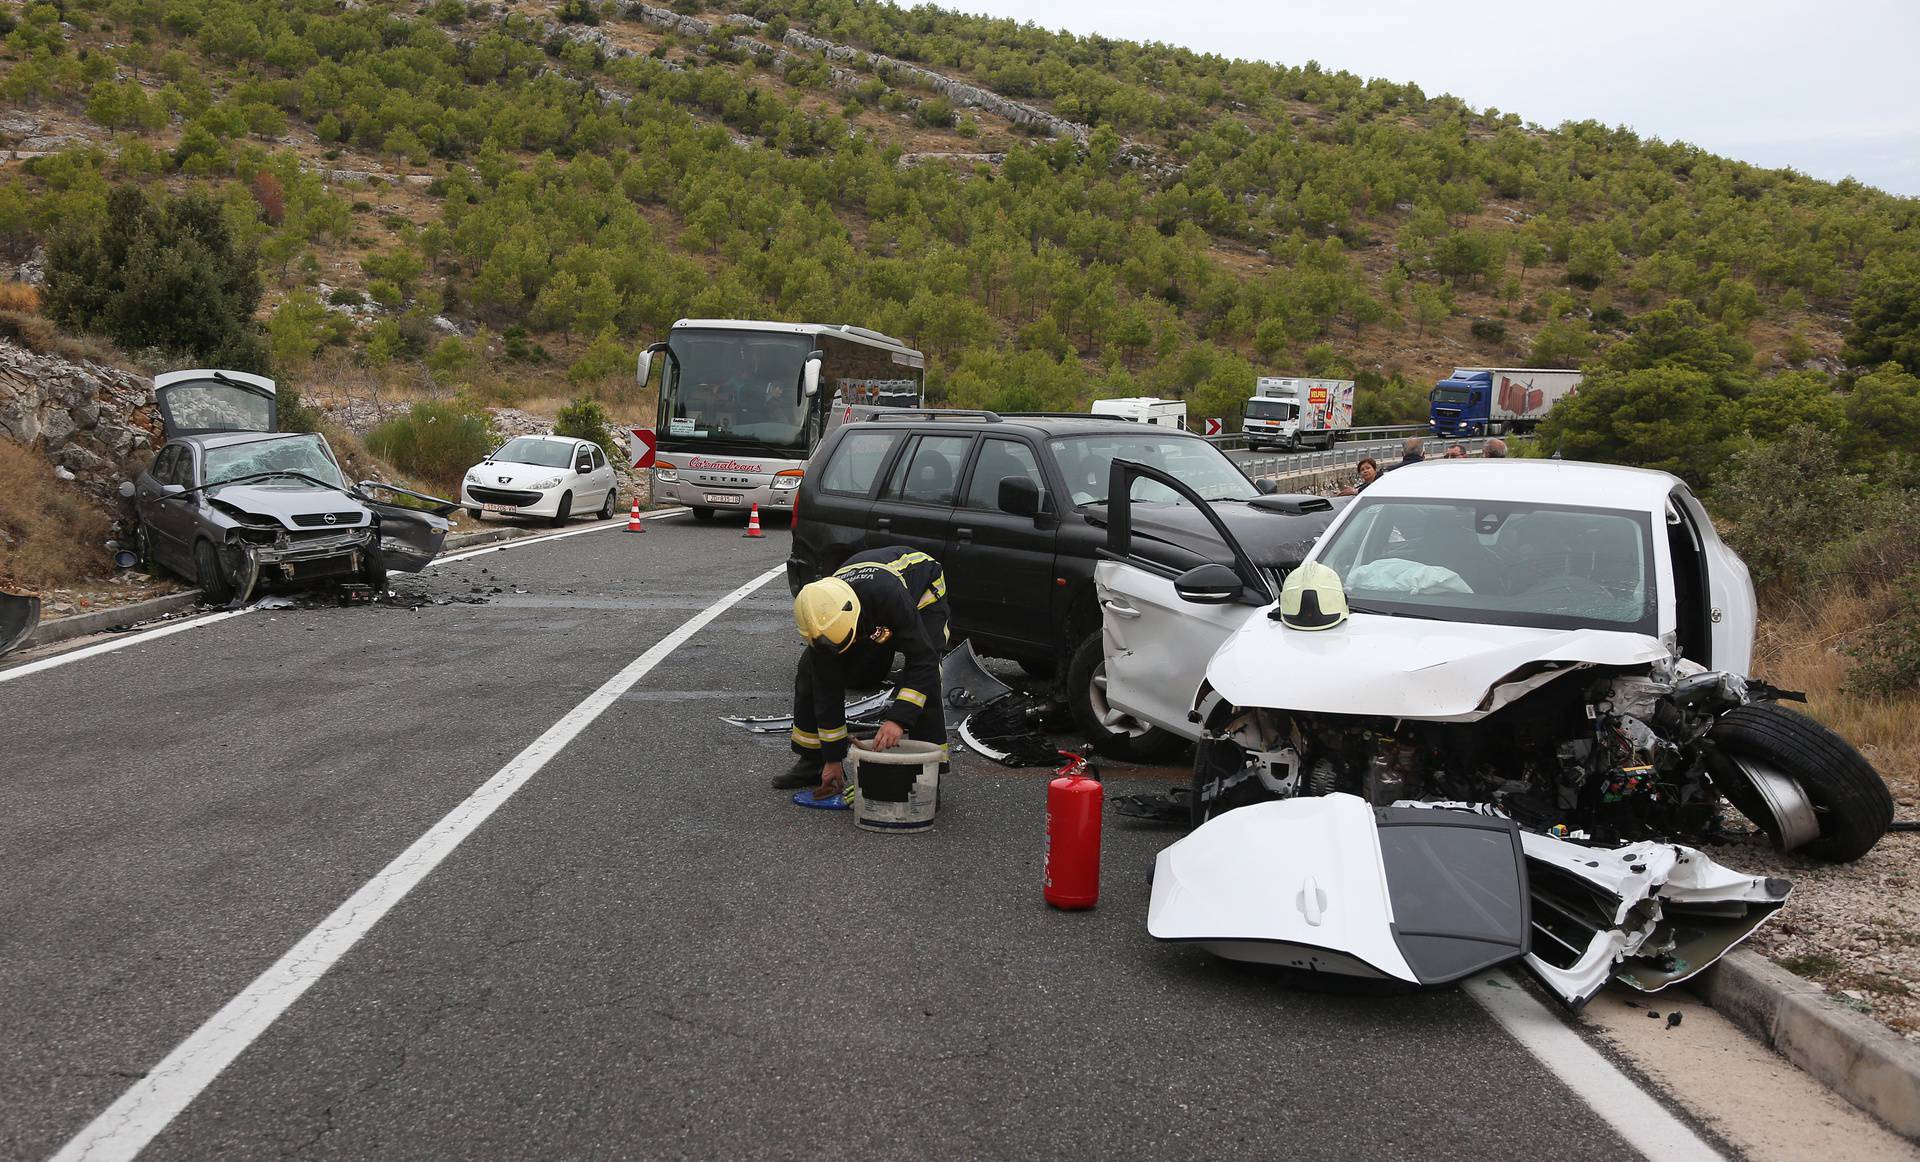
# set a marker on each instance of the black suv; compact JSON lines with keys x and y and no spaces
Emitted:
{"x":1014,"y":508}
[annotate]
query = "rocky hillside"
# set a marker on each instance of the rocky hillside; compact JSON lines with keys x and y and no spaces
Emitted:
{"x":507,"y":199}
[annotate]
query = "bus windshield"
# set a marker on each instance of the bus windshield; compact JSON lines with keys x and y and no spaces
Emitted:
{"x":734,"y":387}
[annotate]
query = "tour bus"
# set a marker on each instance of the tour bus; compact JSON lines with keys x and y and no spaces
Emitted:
{"x":744,"y":402}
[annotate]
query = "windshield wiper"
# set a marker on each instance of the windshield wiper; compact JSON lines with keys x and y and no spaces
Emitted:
{"x":259,"y":476}
{"x":1379,"y":612}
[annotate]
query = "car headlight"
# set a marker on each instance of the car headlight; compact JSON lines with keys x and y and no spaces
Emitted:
{"x":785,"y":483}
{"x":472,"y":478}
{"x":550,"y":482}
{"x":667,"y":475}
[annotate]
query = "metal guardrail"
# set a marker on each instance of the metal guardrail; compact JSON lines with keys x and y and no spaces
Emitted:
{"x":1383,"y":432}
{"x":1341,"y":455}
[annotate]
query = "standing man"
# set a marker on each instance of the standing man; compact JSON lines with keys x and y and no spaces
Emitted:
{"x":1413,"y":453}
{"x":1494,"y":449}
{"x":889,"y":600}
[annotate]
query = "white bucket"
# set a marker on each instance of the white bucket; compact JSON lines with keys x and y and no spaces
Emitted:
{"x":895,"y":790}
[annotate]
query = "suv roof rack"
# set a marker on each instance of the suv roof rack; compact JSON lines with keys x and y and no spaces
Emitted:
{"x":1066,"y":416}
{"x":933,"y":414}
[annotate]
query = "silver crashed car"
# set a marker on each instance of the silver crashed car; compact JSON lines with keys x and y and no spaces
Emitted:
{"x":233,"y":505}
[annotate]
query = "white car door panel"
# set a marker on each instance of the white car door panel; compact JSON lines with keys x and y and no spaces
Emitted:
{"x":1157,"y":645}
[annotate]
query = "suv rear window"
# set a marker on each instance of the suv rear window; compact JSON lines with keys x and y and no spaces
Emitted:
{"x":857,"y":461}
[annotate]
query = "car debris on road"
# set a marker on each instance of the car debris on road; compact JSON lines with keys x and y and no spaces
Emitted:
{"x":19,"y":614}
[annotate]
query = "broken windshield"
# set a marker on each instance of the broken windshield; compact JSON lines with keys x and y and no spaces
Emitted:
{"x":1087,"y":463}
{"x":1503,"y":563}
{"x":304,"y":454}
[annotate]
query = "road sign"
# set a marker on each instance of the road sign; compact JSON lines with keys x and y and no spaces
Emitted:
{"x":1212,"y":427}
{"x":640,"y":446}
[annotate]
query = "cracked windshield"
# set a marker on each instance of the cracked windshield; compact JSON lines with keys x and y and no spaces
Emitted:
{"x":302,"y":454}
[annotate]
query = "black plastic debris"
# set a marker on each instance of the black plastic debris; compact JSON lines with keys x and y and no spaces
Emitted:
{"x":1009,"y":731}
{"x":1673,"y":1020}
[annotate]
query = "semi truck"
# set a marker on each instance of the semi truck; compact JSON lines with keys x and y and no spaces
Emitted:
{"x":1292,"y":413}
{"x":1145,"y":409}
{"x":1492,"y":401}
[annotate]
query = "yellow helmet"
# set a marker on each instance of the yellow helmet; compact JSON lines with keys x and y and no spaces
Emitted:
{"x":828,"y":613}
{"x":1313,"y":598}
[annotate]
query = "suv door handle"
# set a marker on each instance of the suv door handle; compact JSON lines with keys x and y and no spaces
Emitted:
{"x":965,"y":536}
{"x":883,"y":522}
{"x":1119,"y":610}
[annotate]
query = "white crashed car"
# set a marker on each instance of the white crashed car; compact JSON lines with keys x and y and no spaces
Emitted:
{"x":1565,"y":643}
{"x":542,"y":476}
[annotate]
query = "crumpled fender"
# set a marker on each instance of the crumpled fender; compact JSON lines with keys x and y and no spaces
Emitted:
{"x":1397,"y":667}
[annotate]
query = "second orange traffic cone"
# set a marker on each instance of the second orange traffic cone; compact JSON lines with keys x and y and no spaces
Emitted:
{"x":633,"y":519}
{"x":753,"y":523}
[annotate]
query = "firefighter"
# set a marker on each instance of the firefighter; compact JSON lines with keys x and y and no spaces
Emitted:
{"x":888,"y":600}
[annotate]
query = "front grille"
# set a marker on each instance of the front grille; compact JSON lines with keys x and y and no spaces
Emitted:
{"x":319,"y":519}
{"x":502,"y":496}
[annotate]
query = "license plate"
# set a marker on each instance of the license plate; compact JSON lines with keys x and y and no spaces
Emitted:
{"x":721,"y":498}
{"x":500,"y":508}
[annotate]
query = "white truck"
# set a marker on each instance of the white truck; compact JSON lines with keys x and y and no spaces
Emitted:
{"x":1293,"y":413}
{"x":1145,"y":409}
{"x":1492,"y":401}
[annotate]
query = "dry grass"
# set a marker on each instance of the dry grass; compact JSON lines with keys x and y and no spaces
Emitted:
{"x":18,"y":296}
{"x":50,"y":532}
{"x":1801,"y":647}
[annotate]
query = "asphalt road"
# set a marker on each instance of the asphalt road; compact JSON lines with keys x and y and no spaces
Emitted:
{"x":645,"y":952}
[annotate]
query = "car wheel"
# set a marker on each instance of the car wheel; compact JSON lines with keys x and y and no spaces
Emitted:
{"x":143,"y":545}
{"x":606,"y":506}
{"x":214,"y":583}
{"x":373,"y":570}
{"x":702,"y":514}
{"x":1218,"y":759}
{"x":1112,"y":732}
{"x":1041,"y":668}
{"x":476,"y":514}
{"x":1850,"y":801}
{"x":565,"y":510}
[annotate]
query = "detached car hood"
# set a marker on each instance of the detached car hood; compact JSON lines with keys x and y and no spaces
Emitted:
{"x":1397,"y":667}
{"x":287,"y":504}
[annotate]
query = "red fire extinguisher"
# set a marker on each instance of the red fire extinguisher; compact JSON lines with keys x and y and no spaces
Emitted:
{"x":1074,"y":801}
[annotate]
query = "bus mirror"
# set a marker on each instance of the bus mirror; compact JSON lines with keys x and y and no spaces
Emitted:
{"x":646,"y":362}
{"x":810,"y":376}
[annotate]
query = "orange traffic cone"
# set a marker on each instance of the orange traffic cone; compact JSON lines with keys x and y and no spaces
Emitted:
{"x":753,"y":523}
{"x":633,"y":518}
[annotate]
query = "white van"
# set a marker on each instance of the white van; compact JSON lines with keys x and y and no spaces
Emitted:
{"x":1145,"y":409}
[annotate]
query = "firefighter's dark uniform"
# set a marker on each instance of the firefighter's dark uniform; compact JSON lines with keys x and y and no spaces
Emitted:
{"x":903,"y":607}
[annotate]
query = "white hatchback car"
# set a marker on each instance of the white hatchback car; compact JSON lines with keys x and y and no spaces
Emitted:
{"x":544,"y":476}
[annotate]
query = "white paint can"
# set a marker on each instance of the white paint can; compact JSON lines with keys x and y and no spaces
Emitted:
{"x":898,"y":789}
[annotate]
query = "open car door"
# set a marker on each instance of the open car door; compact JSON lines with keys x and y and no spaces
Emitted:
{"x":411,"y":535}
{"x":1170,"y":593}
{"x":193,"y":403}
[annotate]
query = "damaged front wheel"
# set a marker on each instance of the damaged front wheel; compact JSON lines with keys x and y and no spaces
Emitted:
{"x":1842,"y":806}
{"x":214,"y":583}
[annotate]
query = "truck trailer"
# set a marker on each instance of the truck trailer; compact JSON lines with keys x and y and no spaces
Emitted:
{"x":1293,"y":413}
{"x":1492,"y":401}
{"x":1145,"y":409}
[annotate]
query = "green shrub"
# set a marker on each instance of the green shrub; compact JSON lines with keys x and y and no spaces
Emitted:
{"x":435,"y":442}
{"x":585,"y":419}
{"x":1489,"y":330}
{"x":1887,"y":661}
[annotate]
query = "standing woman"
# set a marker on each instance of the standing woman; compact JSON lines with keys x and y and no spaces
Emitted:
{"x":1369,"y":472}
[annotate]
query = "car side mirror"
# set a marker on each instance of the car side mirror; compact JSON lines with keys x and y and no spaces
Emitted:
{"x":1210,"y":584}
{"x":173,"y":489}
{"x":1266,"y":487}
{"x":126,"y":489}
{"x":1019,"y":496}
{"x":583,"y":469}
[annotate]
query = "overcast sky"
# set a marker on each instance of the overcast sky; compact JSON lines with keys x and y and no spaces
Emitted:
{"x":1830,"y":87}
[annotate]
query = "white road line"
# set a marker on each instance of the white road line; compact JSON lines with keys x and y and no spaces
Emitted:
{"x":1647,"y":1126}
{"x":120,"y":643}
{"x":134,"y":639}
{"x":126,"y":1126}
{"x":602,"y":527}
